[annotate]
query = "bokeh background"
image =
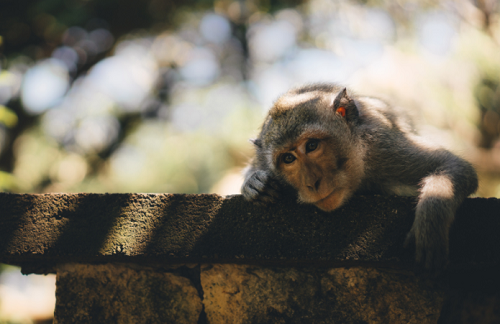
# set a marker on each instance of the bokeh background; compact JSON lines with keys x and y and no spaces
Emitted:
{"x":162,"y":96}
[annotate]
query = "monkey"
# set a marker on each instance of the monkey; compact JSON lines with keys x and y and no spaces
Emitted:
{"x":327,"y":143}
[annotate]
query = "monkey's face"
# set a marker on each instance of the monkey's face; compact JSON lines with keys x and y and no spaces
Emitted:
{"x":307,"y":141}
{"x":314,"y":166}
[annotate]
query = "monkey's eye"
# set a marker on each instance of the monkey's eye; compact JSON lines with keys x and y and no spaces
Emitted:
{"x":288,"y":158}
{"x":311,"y":145}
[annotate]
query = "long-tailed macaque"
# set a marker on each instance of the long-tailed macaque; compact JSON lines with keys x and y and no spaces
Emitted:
{"x":328,"y":144}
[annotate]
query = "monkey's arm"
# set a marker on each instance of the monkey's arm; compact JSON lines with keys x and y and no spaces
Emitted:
{"x":259,"y":185}
{"x":444,"y":181}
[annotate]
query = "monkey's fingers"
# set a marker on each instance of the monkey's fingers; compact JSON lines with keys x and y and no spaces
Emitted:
{"x":258,"y":193}
{"x":263,"y":189}
{"x":431,"y":257}
{"x":264,"y":183}
{"x":250,"y":193}
{"x":436,"y":257}
{"x":254,"y":195}
{"x":265,"y":199}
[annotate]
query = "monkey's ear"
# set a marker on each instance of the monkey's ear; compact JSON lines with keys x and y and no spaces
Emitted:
{"x":257,"y":142}
{"x":345,"y":106}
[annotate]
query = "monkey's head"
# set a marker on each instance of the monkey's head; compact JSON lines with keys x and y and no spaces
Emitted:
{"x":309,"y":141}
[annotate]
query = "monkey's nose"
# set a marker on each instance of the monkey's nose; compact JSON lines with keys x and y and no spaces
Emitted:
{"x":315,"y":187}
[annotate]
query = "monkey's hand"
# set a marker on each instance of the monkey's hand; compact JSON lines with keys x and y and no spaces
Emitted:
{"x":260,"y":187}
{"x":429,"y":234}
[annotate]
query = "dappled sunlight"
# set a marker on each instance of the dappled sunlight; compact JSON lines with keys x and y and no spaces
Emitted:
{"x":44,"y":85}
{"x":126,"y":79}
{"x":271,"y":41}
{"x":201,"y":67}
{"x":215,"y":28}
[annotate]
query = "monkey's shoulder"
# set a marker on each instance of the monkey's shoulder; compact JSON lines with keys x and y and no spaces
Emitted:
{"x":380,"y":115}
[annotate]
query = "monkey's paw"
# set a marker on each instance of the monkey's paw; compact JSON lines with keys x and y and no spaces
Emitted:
{"x":260,"y":188}
{"x":431,"y":247}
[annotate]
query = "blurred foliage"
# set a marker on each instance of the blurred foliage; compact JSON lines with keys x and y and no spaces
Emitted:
{"x":162,"y":96}
{"x":488,"y":97}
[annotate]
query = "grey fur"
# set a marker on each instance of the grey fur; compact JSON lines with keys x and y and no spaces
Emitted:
{"x":387,"y":156}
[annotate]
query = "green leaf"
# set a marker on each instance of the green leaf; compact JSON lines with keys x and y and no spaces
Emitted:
{"x":8,"y":117}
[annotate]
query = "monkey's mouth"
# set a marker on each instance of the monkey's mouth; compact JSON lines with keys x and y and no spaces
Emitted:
{"x":332,"y":201}
{"x":327,"y":196}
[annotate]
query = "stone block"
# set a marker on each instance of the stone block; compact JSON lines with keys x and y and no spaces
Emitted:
{"x":120,"y":294}
{"x":243,"y":294}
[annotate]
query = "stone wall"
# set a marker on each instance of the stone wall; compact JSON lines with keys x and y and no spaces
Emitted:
{"x":161,"y":258}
